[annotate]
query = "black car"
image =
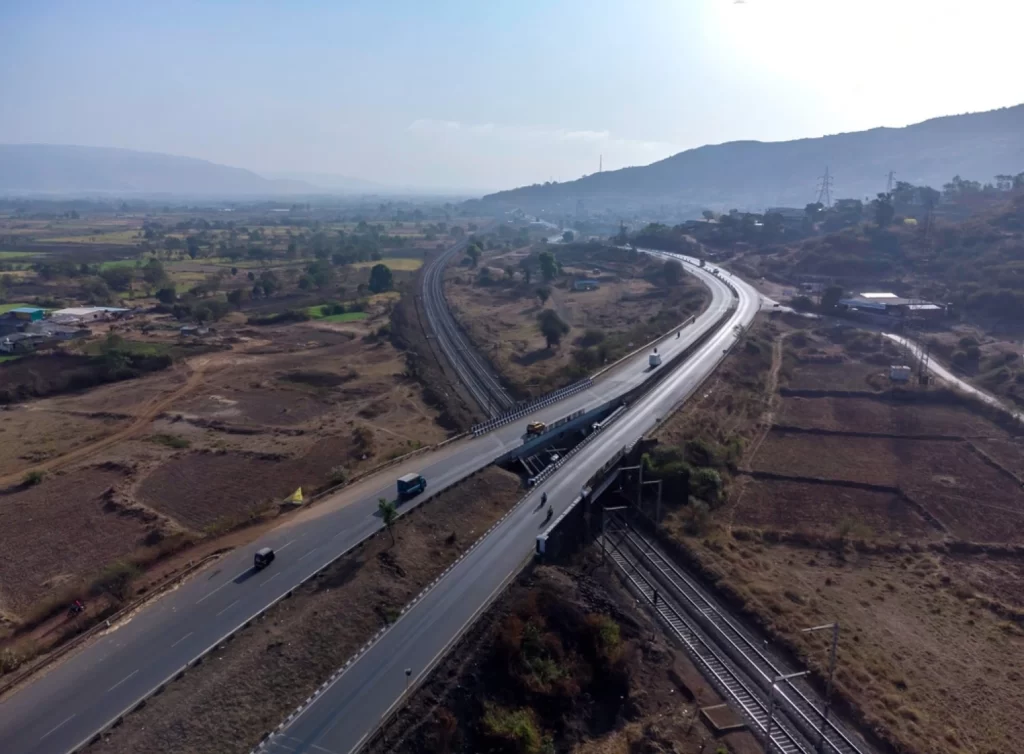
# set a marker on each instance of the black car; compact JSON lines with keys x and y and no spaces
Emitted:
{"x":264,"y":557}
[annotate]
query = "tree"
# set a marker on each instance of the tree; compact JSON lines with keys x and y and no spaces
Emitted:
{"x":830,"y":297}
{"x":238,"y":296}
{"x":473,"y":252}
{"x":381,"y":278}
{"x":320,"y":273}
{"x":884,"y":211}
{"x":929,"y":197}
{"x":548,"y":265}
{"x":118,"y":278}
{"x":568,"y":236}
{"x":193,"y":246}
{"x":708,"y":215}
{"x":673,"y":271}
{"x":813,"y":211}
{"x":388,"y":515}
{"x":167,"y":296}
{"x":551,"y":327}
{"x":526,"y":265}
{"x":543,"y":293}
{"x":153,"y":273}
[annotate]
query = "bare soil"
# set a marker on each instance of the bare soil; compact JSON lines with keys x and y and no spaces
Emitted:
{"x":599,"y":678}
{"x":501,"y":319}
{"x":928,"y":619}
{"x":229,"y":702}
{"x":201,"y":448}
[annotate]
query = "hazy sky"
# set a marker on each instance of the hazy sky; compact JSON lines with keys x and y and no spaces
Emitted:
{"x":484,"y":95}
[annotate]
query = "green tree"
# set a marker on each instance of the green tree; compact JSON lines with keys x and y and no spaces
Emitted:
{"x":473,"y":252}
{"x":568,"y":236}
{"x":192,"y":244}
{"x":830,"y":297}
{"x":548,"y":265}
{"x":238,"y":296}
{"x":167,"y":296}
{"x":706,"y":484}
{"x":381,"y":278}
{"x":153,"y":273}
{"x":543,"y":293}
{"x":551,"y":327}
{"x":118,"y":278}
{"x":526,"y":265}
{"x":673,"y":272}
{"x":388,"y":515}
{"x":883,"y":209}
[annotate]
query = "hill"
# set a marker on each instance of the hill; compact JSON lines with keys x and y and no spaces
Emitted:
{"x":753,"y":175}
{"x":58,"y":169}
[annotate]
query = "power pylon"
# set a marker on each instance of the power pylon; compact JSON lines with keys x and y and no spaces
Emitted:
{"x":825,"y":189}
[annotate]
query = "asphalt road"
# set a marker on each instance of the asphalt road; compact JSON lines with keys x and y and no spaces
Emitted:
{"x":65,"y":707}
{"x":350,"y":708}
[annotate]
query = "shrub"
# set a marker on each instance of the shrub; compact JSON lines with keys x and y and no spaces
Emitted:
{"x":116,"y":580}
{"x":518,"y":727}
{"x":171,"y":441}
{"x":706,"y":484}
{"x":32,"y":478}
{"x":339,"y":475}
{"x":591,"y":338}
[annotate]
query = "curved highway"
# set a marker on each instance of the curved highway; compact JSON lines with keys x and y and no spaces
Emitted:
{"x":66,"y":705}
{"x":350,"y":708}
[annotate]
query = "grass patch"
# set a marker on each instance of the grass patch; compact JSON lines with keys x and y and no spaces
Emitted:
{"x":4,"y":308}
{"x":396,"y":264}
{"x":171,"y":441}
{"x":17,"y":254}
{"x":346,"y":317}
{"x":111,"y":264}
{"x":9,"y":357}
{"x":120,"y":238}
{"x":134,"y":347}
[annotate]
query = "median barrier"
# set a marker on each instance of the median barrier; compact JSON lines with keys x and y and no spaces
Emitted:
{"x":520,"y":411}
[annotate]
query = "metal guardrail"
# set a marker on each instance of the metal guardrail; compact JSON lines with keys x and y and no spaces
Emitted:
{"x":520,"y":411}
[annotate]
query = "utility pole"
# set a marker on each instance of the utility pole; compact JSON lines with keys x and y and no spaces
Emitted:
{"x":831,"y":673}
{"x":604,"y":537}
{"x":825,"y":189}
{"x":771,"y":707}
{"x":600,"y":163}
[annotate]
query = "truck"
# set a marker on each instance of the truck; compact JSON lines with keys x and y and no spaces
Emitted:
{"x":654,"y":360}
{"x":535,"y":428}
{"x":410,"y":485}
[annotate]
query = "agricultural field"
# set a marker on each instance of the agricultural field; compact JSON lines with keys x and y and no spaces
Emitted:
{"x":500,"y":311}
{"x":194,"y":451}
{"x":898,"y":512}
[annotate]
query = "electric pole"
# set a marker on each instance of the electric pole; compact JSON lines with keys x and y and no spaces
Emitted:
{"x":825,"y":189}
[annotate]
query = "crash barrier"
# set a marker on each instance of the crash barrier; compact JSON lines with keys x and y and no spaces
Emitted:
{"x":412,"y":603}
{"x":527,"y":408}
{"x":552,"y":468}
{"x":104,"y":623}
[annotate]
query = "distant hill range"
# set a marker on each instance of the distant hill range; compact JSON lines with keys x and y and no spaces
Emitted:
{"x":74,"y":170}
{"x":753,"y":175}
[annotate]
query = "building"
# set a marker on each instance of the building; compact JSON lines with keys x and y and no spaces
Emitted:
{"x":88,"y":314}
{"x":21,"y":342}
{"x":885,"y":304}
{"x":585,"y":285}
{"x":792,"y":217}
{"x":55,"y":330}
{"x":899,"y":373}
{"x":27,"y":313}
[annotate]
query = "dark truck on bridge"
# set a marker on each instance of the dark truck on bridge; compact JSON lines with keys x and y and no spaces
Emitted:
{"x":410,"y":485}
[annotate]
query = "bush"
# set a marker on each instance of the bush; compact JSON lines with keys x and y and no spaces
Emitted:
{"x":706,"y":484}
{"x":171,"y":441}
{"x":32,"y":478}
{"x":339,"y":475}
{"x":591,"y":338}
{"x":116,"y":580}
{"x":697,"y":518}
{"x":517,"y":727}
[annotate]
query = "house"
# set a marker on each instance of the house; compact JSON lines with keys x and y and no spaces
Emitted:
{"x":55,"y":330}
{"x":27,"y":313}
{"x":21,"y":342}
{"x":585,"y":285}
{"x":88,"y":314}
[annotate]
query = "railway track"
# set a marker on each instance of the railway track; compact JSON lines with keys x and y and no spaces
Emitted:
{"x":701,"y":615}
{"x":473,"y":372}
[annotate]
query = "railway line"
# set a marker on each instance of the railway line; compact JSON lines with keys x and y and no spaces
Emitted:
{"x":472,"y":370}
{"x":734,"y":660}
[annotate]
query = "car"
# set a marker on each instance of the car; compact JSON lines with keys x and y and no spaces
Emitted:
{"x":264,"y":557}
{"x":536,"y":428}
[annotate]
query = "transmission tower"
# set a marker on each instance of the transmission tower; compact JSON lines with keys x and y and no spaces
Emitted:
{"x":889,"y":181}
{"x":825,"y":189}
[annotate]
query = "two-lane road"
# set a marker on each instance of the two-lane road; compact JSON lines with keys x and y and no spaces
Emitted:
{"x":66,"y":706}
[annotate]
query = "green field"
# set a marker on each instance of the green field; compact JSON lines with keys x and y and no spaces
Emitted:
{"x":4,"y":255}
{"x":346,"y":317}
{"x":397,"y":264}
{"x":120,"y":238}
{"x":139,"y":348}
{"x":4,"y":308}
{"x":8,"y":357}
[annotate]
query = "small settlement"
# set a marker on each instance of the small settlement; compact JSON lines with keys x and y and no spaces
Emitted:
{"x":30,"y":328}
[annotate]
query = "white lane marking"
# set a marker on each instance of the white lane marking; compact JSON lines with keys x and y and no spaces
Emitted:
{"x":122,"y":680}
{"x":286,"y":544}
{"x":224,"y":585}
{"x":271,"y":579}
{"x":179,"y":641}
{"x":307,"y":554}
{"x":229,"y":607}
{"x":51,"y":730}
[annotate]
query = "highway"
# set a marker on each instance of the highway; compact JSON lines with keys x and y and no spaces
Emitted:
{"x":63,"y":708}
{"x":349,"y":709}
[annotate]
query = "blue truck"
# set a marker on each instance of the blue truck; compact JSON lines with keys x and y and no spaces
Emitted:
{"x":410,"y":485}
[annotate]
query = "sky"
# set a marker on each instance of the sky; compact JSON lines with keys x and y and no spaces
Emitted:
{"x":488,"y":95}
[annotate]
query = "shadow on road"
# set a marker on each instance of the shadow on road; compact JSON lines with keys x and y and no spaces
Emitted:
{"x":243,"y":577}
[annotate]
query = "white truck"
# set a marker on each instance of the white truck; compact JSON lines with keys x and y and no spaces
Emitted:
{"x":654,"y":360}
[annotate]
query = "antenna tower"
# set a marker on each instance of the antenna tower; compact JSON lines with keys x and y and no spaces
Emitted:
{"x":825,"y":189}
{"x":889,"y":182}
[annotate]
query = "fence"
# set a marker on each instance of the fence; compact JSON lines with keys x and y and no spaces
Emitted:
{"x":527,"y":408}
